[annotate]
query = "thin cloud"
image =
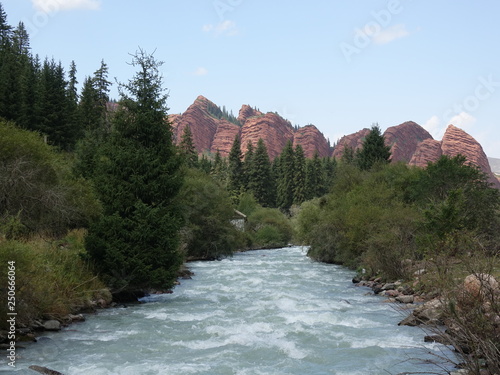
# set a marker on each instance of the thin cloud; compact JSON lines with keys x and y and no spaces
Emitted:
{"x":52,"y":6}
{"x":226,"y":27}
{"x":390,"y":34}
{"x":434,"y":127}
{"x":200,"y":71}
{"x":463,"y":120}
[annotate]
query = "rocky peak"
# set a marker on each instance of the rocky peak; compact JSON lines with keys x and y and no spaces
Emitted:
{"x":404,"y":140}
{"x":456,"y":141}
{"x":246,"y":112}
{"x":354,"y":141}
{"x":274,"y":130}
{"x":311,"y":140}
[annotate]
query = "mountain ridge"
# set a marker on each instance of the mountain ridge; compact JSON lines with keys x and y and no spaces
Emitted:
{"x":214,"y":130}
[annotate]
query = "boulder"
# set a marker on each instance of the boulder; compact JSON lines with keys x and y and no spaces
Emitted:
{"x":52,"y":325}
{"x":405,"y":299}
{"x":480,"y":285}
{"x":429,"y":313}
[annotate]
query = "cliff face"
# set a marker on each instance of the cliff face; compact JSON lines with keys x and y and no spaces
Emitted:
{"x":217,"y":134}
{"x":354,"y":141}
{"x":224,"y":137}
{"x":311,"y":140}
{"x":456,"y":141}
{"x":272,"y":128}
{"x":203,"y":125}
{"x":426,"y":152}
{"x":246,"y":112}
{"x":404,"y":139}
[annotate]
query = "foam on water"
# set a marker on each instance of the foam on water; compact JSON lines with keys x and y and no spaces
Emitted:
{"x":264,"y":312}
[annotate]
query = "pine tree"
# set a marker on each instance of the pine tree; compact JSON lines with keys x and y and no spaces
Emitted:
{"x":299,"y":182}
{"x":374,"y":150}
{"x":5,"y":29}
{"x":314,"y":177}
{"x":136,"y":240}
{"x":187,"y":148}
{"x":261,"y":182}
{"x":235,"y":169}
{"x":348,"y":155}
{"x":329,"y":168}
{"x":248,"y":166}
{"x":285,"y":177}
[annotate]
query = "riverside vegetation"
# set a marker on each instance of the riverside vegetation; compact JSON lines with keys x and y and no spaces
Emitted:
{"x":94,"y":196}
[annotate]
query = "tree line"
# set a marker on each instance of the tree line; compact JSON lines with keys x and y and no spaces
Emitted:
{"x":39,"y":95}
{"x":289,"y":179}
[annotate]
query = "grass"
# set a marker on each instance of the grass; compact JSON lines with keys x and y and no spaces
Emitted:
{"x":52,"y":279}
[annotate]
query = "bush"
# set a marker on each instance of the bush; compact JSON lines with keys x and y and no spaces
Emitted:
{"x":208,"y":232}
{"x":37,"y":190}
{"x":269,"y":228}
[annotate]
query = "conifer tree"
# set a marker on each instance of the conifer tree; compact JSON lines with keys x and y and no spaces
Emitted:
{"x":261,"y":182}
{"x":348,"y":155}
{"x":235,"y":169}
{"x":374,"y":150}
{"x":285,"y":177}
{"x":135,"y":242}
{"x":187,"y":148}
{"x":248,"y":169}
{"x":299,"y":178}
{"x":314,"y":177}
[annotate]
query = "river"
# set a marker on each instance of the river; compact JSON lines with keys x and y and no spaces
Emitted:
{"x":262,"y":312}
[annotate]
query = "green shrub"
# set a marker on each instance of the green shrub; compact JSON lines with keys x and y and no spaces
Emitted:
{"x":269,"y":228}
{"x":207,"y":209}
{"x":37,"y":190}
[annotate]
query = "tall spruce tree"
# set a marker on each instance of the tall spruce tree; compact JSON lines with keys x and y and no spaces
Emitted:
{"x":235,"y":169}
{"x":285,"y":177}
{"x":299,"y":178}
{"x":135,"y":242}
{"x":374,"y":150}
{"x":248,"y":165}
{"x":261,"y":182}
{"x":187,"y":149}
{"x":314,"y":177}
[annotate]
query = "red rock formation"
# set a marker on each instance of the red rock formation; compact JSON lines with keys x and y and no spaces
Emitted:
{"x":427,"y":151}
{"x":246,"y":112}
{"x":224,"y":137}
{"x":456,"y":141}
{"x":311,"y":140}
{"x":404,"y":139}
{"x":202,"y":124}
{"x":354,"y":141}
{"x":272,"y":128}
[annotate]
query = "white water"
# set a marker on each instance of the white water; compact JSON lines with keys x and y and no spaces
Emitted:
{"x":262,"y":312}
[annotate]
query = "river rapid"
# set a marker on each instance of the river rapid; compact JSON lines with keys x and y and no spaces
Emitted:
{"x":262,"y":312}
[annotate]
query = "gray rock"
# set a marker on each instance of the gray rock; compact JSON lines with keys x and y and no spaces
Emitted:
{"x":389,"y":286}
{"x":405,"y":299}
{"x":52,"y":325}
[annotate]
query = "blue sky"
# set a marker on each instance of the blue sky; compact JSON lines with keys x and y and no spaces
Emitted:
{"x":340,"y":65}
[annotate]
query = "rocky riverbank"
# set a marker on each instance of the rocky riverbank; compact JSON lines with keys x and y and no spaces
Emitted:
{"x":446,"y":317}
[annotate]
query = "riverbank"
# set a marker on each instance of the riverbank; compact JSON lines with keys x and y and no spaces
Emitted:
{"x":466,"y":319}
